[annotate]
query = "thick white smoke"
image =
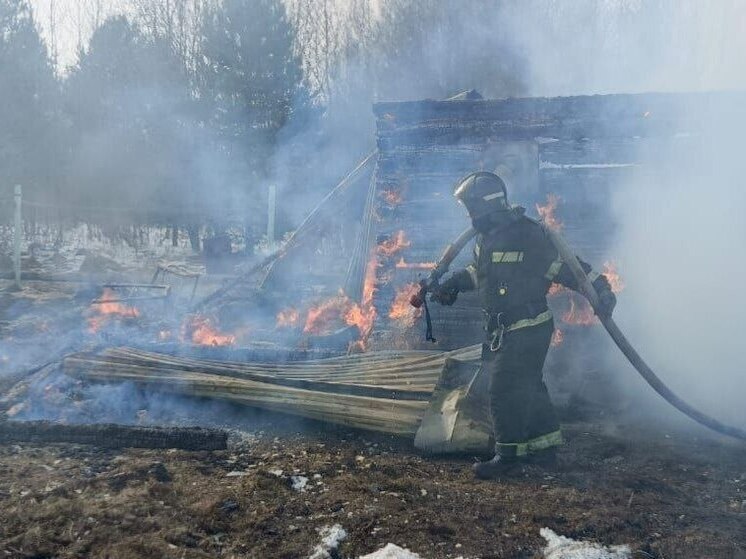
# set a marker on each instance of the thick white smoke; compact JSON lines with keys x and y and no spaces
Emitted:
{"x":682,"y":230}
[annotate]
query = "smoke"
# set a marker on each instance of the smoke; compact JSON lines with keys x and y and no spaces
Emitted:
{"x":679,"y":220}
{"x":681,"y":238}
{"x":627,"y":46}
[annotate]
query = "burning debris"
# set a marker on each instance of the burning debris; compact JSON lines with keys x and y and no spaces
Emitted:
{"x":288,"y":318}
{"x":401,"y":309}
{"x":201,"y":330}
{"x":330,"y":315}
{"x":107,"y":309}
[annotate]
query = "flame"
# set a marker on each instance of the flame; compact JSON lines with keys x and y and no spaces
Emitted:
{"x":392,"y":197}
{"x":393,"y":244}
{"x":200,"y":330}
{"x":580,"y":312}
{"x":324,"y":317}
{"x":365,"y":315}
{"x":556,"y":289}
{"x":615,"y":280}
{"x":288,"y":318}
{"x":547,"y":212}
{"x":415,"y":265}
{"x":401,"y":309}
{"x":108,"y":309}
{"x":557,"y":337}
{"x":321,"y":318}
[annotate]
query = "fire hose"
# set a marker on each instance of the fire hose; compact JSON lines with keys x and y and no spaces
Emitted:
{"x":586,"y":288}
{"x":419,"y":299}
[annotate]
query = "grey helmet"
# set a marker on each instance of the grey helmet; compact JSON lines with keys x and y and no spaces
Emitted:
{"x":483,"y":194}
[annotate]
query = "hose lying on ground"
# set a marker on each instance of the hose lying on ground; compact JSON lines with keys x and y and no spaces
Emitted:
{"x":587,"y":289}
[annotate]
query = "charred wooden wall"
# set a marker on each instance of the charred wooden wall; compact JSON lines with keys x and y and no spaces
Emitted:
{"x":584,"y":148}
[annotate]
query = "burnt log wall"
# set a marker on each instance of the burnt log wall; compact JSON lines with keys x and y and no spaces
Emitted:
{"x":586,"y":147}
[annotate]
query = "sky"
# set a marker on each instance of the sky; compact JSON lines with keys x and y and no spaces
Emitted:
{"x":74,"y":22}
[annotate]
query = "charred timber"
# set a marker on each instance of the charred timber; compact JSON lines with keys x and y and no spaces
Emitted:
{"x":110,"y":435}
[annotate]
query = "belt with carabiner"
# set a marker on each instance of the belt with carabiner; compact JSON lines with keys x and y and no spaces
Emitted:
{"x":498,"y":334}
{"x":499,"y":324}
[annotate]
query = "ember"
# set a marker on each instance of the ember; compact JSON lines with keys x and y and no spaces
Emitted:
{"x":392,"y":197}
{"x":288,"y":318}
{"x":200,"y":330}
{"x":401,"y":309}
{"x":547,"y":212}
{"x":109,"y":308}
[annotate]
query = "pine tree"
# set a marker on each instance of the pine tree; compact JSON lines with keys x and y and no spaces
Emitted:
{"x":251,"y":79}
{"x":29,"y":93}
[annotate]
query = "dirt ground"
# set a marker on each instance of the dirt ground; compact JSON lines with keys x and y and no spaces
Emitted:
{"x":666,"y":494}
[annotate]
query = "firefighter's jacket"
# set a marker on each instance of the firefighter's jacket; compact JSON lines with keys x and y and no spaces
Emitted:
{"x":514,"y":266}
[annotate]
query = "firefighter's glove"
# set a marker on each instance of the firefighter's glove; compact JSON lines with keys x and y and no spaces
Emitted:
{"x":606,"y":297}
{"x":444,"y":296}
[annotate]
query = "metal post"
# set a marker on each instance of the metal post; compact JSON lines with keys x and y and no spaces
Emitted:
{"x":271,"y":212}
{"x":17,"y":237}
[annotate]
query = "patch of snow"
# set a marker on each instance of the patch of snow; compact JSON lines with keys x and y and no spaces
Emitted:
{"x":391,"y":551}
{"x":331,"y":537}
{"x":299,"y":482}
{"x":561,"y":547}
{"x":276,"y":473}
{"x":236,"y":473}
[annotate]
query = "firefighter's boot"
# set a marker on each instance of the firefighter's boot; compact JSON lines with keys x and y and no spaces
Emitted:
{"x":499,"y":464}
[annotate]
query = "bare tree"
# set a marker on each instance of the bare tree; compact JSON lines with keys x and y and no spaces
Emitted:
{"x":177,"y":22}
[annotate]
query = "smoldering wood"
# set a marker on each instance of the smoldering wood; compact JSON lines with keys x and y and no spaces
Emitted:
{"x":110,"y":435}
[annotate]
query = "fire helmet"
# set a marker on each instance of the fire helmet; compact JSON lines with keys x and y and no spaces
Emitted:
{"x":483,"y":194}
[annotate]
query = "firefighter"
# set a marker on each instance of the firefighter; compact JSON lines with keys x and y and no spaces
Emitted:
{"x":514,"y":265}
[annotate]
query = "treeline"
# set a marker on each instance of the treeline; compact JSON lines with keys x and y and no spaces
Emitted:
{"x":146,"y":125}
{"x":181,"y":112}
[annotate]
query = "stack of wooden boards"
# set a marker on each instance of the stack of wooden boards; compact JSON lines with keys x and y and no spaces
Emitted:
{"x":383,"y":391}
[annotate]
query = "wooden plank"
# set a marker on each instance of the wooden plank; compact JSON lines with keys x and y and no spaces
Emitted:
{"x":111,"y":435}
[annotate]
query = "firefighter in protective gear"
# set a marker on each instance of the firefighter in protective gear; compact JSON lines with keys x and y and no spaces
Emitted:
{"x":514,"y":265}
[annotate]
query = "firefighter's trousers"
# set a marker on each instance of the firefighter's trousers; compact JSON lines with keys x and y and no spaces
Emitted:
{"x":523,"y":416}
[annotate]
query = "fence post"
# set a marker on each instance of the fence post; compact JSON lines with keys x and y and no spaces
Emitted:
{"x":17,"y":236}
{"x":271,"y":213}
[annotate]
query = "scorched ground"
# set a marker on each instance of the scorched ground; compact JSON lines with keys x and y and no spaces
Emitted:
{"x":617,"y":482}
